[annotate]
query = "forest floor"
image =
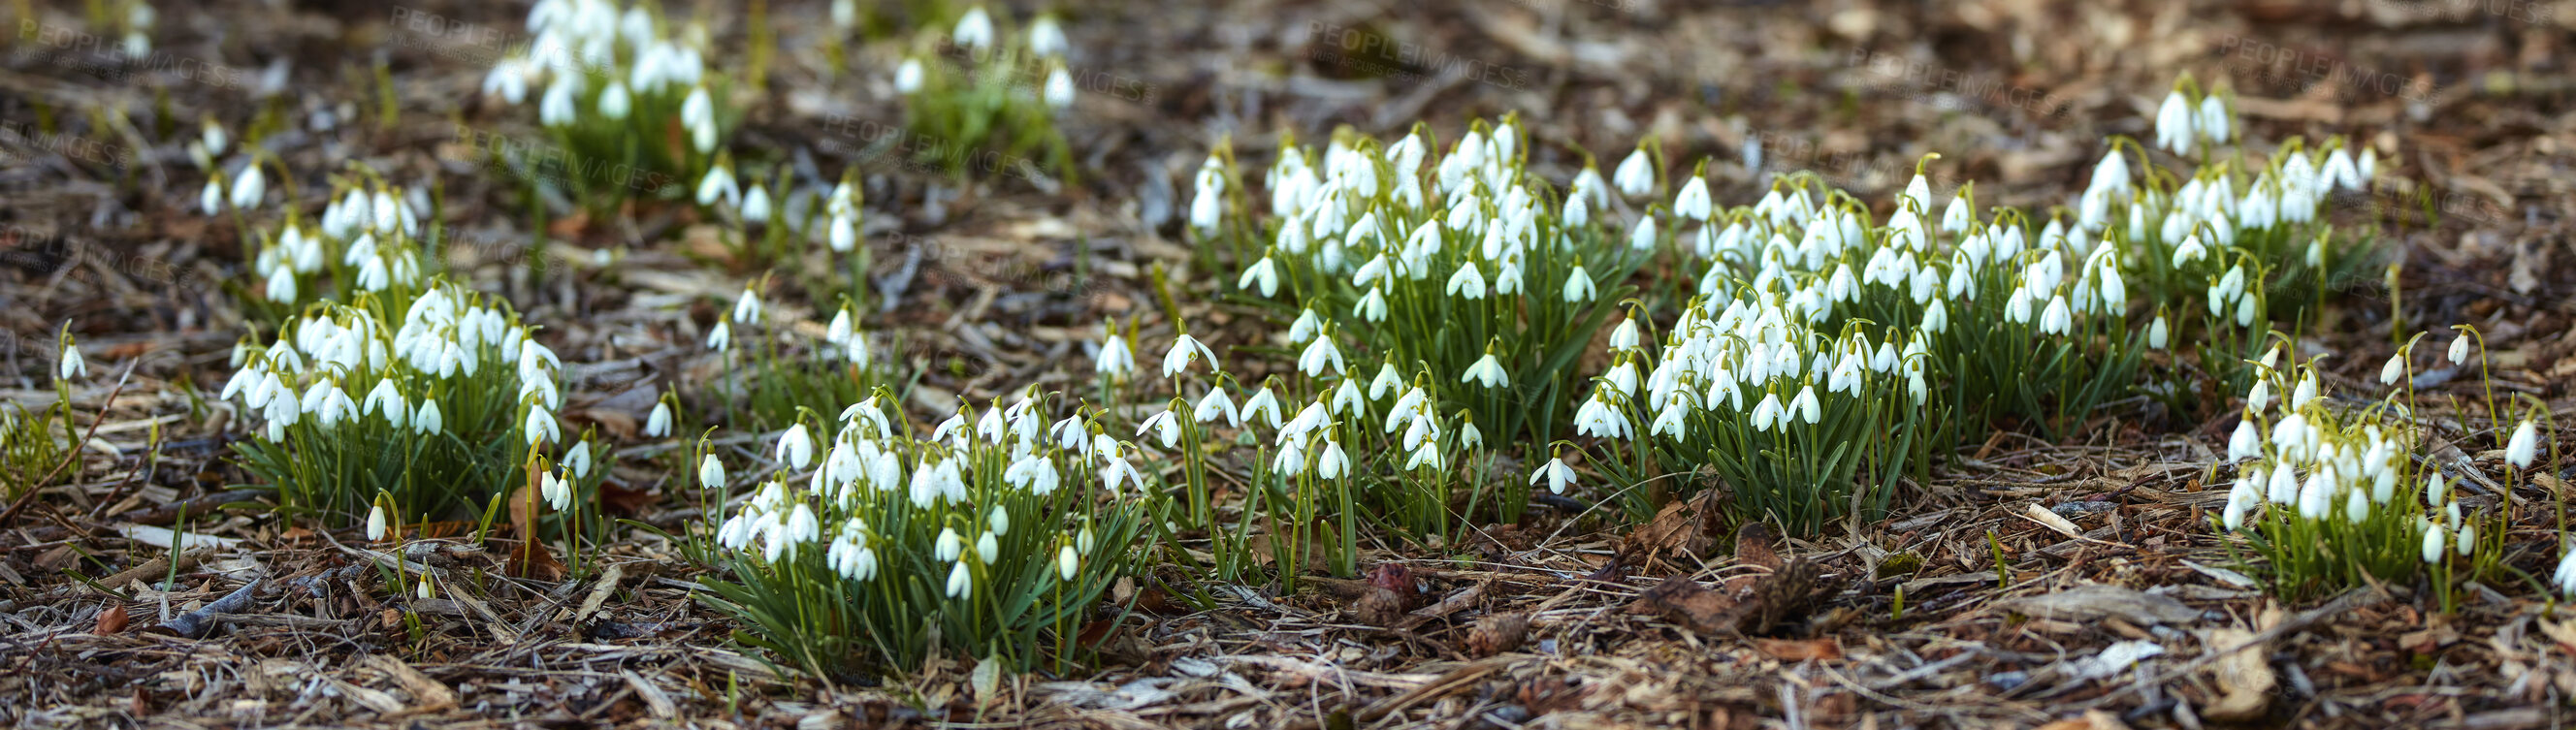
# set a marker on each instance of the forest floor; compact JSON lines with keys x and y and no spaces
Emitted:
{"x":1561,"y":621}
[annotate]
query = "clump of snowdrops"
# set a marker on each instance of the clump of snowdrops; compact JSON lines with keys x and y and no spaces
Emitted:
{"x":981,"y":95}
{"x":627,"y":97}
{"x":774,"y":367}
{"x":441,"y":401}
{"x":1458,"y":270}
{"x":30,"y":451}
{"x":993,"y":536}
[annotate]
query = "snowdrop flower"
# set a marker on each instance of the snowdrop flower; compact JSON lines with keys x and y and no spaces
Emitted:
{"x":720,"y":339}
{"x":2460,"y":349}
{"x":2245,"y":443}
{"x":376,"y":522}
{"x":614,"y":101}
{"x":1555,"y":473}
{"x":541,"y":426}
{"x":1067,"y":563}
{"x":71,"y":365}
{"x":747,"y":308}
{"x":2057,"y":319}
{"x":2239,"y":501}
{"x":1487,"y":371}
{"x":796,"y":447}
{"x":711,"y":473}
{"x":1215,"y":404}
{"x":1371,"y":308}
{"x":577,"y":459}
{"x":1262,"y":403}
{"x":2305,"y":391}
{"x":1046,"y":37}
{"x":1319,"y":356}
{"x":1186,"y":349}
{"x":987,"y":549}
{"x":961,"y":585}
{"x":1578,"y":285}
{"x":1635,"y":175}
{"x":2564,"y":578}
{"x":557,"y":494}
{"x":1164,"y":426}
{"x":1692,"y":202}
{"x":2213,"y":122}
{"x":1265,"y":273}
{"x":2435,"y":541}
{"x":974,"y":30}
{"x":211,"y":199}
{"x":2523,"y":446}
{"x":718,"y":185}
{"x":1114,"y":359}
{"x":1332,"y":462}
{"x":250,"y":188}
{"x":1642,"y":237}
{"x":1768,"y":413}
{"x":1468,"y":282}
{"x":428,"y":420}
{"x":2174,"y":124}
{"x":907,"y":77}
{"x":1059,"y":89}
{"x":658,"y":423}
{"x":948,"y":546}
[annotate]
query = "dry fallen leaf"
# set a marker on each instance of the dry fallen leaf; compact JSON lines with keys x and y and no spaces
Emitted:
{"x":111,"y":620}
{"x":2083,"y":603}
{"x":1792,"y":650}
{"x":1498,"y":633}
{"x":2244,"y":679}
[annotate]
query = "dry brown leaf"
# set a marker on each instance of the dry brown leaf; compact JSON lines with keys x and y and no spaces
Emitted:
{"x":2244,"y":680}
{"x":1498,"y":633}
{"x":2092,"y":720}
{"x":111,"y":620}
{"x":1684,"y":601}
{"x":2083,"y":603}
{"x":1793,"y":650}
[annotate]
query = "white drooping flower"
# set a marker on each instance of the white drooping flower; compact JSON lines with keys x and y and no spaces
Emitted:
{"x":1185,"y":350}
{"x":974,"y":29}
{"x":2523,"y":446}
{"x":1487,"y":371}
{"x":658,"y":423}
{"x":1555,"y":473}
{"x":1635,"y":175}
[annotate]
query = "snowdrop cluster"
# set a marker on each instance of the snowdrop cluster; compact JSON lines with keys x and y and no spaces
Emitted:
{"x":2330,"y":491}
{"x":2184,"y":125}
{"x":592,"y":60}
{"x":993,"y":507}
{"x":367,"y":237}
{"x":1460,"y":261}
{"x":2224,"y":217}
{"x":451,"y":396}
{"x":977,"y":87}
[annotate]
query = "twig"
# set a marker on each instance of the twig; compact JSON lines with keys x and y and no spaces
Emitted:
{"x":194,"y":624}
